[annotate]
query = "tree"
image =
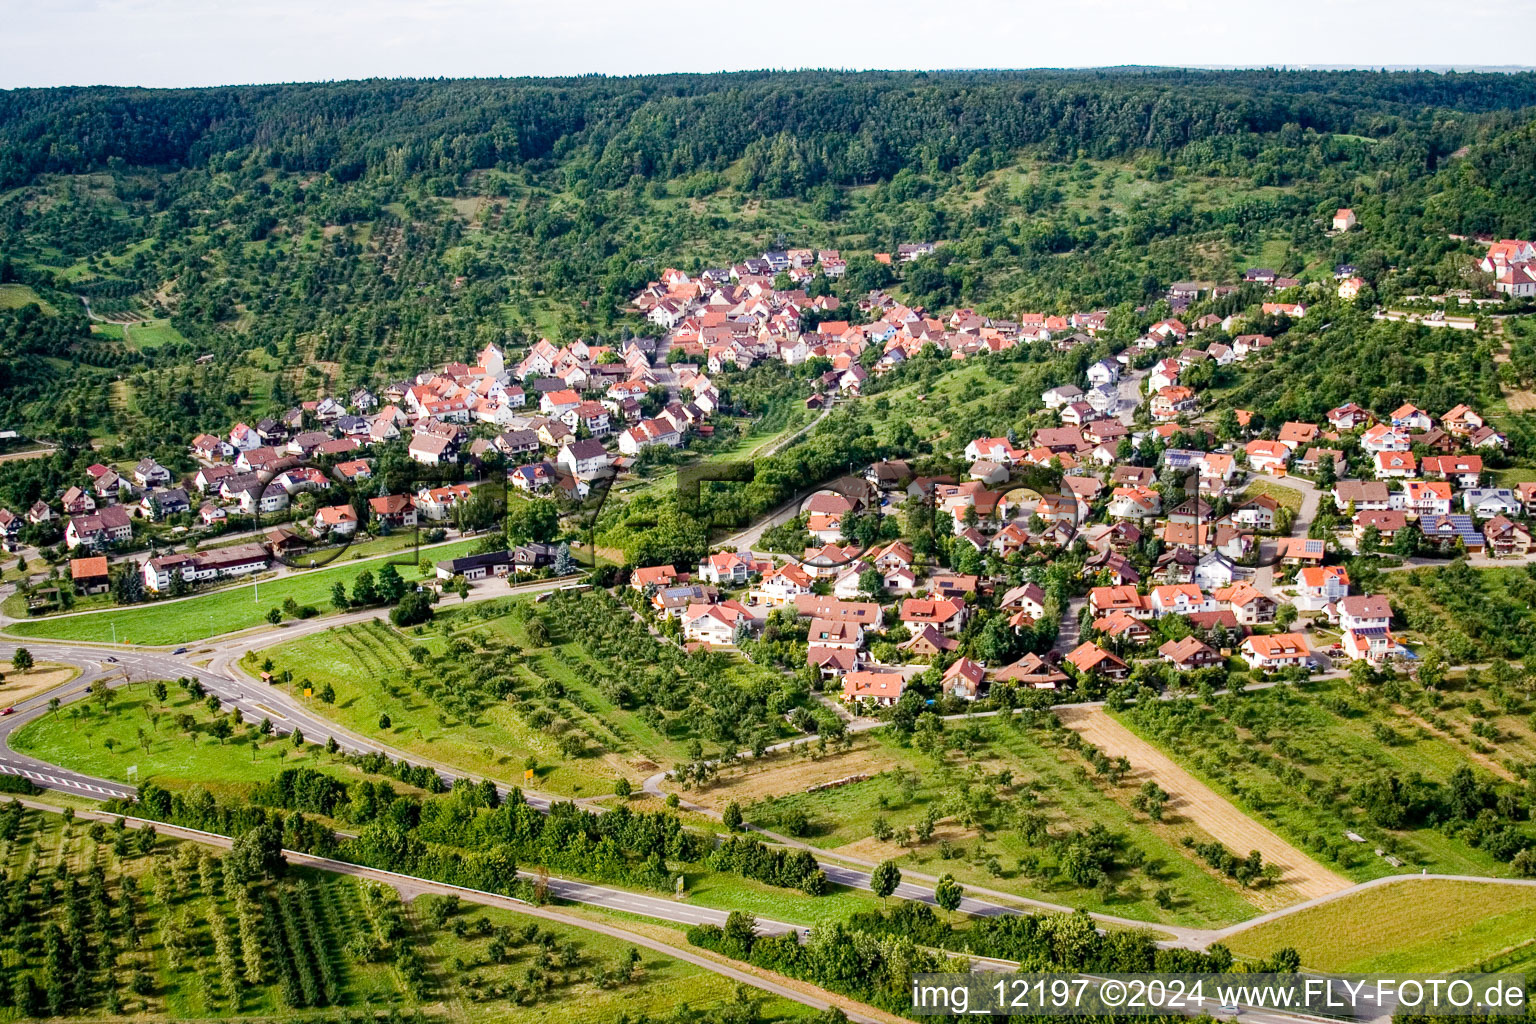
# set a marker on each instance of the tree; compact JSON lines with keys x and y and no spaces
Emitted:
{"x":159,"y":691}
{"x":884,"y":879}
{"x":274,"y":615}
{"x":622,"y":787}
{"x":732,"y":816}
{"x":328,"y":693}
{"x":947,"y":892}
{"x":536,"y":520}
{"x":22,"y":661}
{"x":384,"y":722}
{"x":364,"y":592}
{"x":1285,"y":615}
{"x":391,"y":586}
{"x":414,"y":609}
{"x":255,"y":854}
{"x":563,"y":565}
{"x":339,"y":599}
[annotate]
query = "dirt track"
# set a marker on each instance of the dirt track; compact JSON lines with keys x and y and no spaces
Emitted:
{"x":1302,"y":877}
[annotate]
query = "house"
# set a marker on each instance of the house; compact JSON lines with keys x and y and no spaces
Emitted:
{"x":835,"y":633}
{"x":531,"y":557}
{"x":1426,"y":497}
{"x":928,"y":642}
{"x":963,"y":679}
{"x":40,"y":512}
{"x":170,"y":502}
{"x":1121,"y":597}
{"x":654,"y":576}
{"x":882,"y":687}
{"x":833,"y":661}
{"x":1506,"y":538}
{"x":533,"y":477}
{"x":149,"y":473}
{"x":1028,"y":598}
{"x":1179,"y":599}
{"x":945,"y":614}
{"x":1411,"y":417}
{"x":215,"y":563}
{"x":1248,"y":605}
{"x":476,"y":567}
{"x":1386,"y":523}
{"x":1120,"y":627}
{"x":77,"y":502}
{"x":336,"y":520}
{"x":1361,"y":494}
{"x":90,"y":575}
{"x":437,"y":503}
{"x":1188,"y":654}
{"x":1348,"y":417}
{"x":673,"y":602}
{"x":715,"y":624}
{"x":393,"y":509}
{"x":1295,"y":435}
{"x":1089,"y":659}
{"x":1314,"y":459}
{"x":1447,"y":531}
{"x":432,"y":449}
{"x":586,"y":459}
{"x":1260,"y":512}
{"x":1214,"y":570}
{"x":1461,"y":421}
{"x":1350,"y":287}
{"x":1343,"y":219}
{"x":780,"y":586}
{"x":1462,"y":470}
{"x":1487,"y":502}
{"x":1318,"y":586}
{"x":111,"y":525}
{"x":1396,"y":465}
{"x":1385,"y":438}
{"x":1267,"y":456}
{"x":1032,"y":671}
{"x":726,"y":568}
{"x":1276,"y":651}
{"x":1301,"y":550}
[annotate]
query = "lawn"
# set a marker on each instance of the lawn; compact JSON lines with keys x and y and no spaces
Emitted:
{"x":989,"y":781}
{"x":136,"y":739}
{"x":222,"y":611}
{"x":1428,"y":927}
{"x":1293,"y":757}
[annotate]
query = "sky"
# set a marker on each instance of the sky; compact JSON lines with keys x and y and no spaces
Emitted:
{"x":223,"y":42}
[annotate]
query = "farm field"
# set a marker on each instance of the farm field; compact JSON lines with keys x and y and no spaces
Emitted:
{"x":1288,"y":497}
{"x":136,"y":731}
{"x":221,"y":611}
{"x":534,"y":692}
{"x":1306,"y":762}
{"x":1426,"y":927}
{"x":1301,"y":877}
{"x":337,"y":942}
{"x":988,"y":797}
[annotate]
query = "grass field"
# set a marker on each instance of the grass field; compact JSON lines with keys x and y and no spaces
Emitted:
{"x":147,"y":744}
{"x":978,"y":815}
{"x":178,"y":892}
{"x":1429,"y":927}
{"x":14,"y":296}
{"x":1292,"y":758}
{"x":151,"y":334}
{"x":221,"y":611}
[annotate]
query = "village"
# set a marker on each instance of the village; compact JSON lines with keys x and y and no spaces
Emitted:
{"x":1236,"y":539}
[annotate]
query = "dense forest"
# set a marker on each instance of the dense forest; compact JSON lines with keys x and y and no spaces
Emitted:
{"x":290,"y":240}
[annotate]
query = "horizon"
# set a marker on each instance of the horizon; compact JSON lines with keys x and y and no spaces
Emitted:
{"x":172,"y":44}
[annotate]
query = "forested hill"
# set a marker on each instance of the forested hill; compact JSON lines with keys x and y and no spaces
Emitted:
{"x":847,"y":128}
{"x":268,"y":244}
